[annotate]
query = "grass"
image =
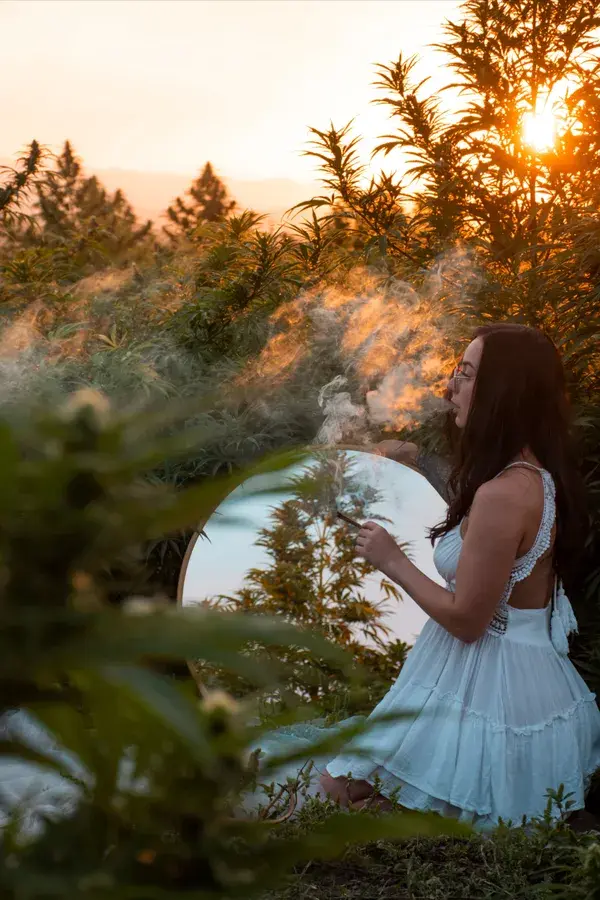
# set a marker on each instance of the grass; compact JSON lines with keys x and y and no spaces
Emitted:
{"x":432,"y":868}
{"x":550,"y":862}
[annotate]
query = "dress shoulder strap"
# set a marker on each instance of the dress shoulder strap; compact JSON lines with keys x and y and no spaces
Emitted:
{"x":524,"y":463}
{"x":524,"y":565}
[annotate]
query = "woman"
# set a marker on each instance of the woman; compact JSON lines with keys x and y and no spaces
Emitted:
{"x":502,"y":714}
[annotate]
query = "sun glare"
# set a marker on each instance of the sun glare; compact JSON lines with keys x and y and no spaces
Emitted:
{"x":539,"y":129}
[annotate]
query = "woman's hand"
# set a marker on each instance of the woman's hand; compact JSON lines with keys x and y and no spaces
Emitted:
{"x":400,"y":451}
{"x":377,"y":546}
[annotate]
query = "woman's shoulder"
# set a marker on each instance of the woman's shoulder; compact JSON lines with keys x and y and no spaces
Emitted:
{"x":518,"y":488}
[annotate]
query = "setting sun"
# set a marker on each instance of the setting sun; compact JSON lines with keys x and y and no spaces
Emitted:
{"x":539,"y":129}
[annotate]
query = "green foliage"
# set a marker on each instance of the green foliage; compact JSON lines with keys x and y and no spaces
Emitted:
{"x":536,"y":859}
{"x":188,"y":320}
{"x":18,"y":186}
{"x":208,"y":202}
{"x":77,"y":210}
{"x":74,"y":228}
{"x":374,"y":216}
{"x":318,"y":247}
{"x":242,"y":276}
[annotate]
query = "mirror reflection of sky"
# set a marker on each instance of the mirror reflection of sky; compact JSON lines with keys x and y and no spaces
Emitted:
{"x":407,"y":499}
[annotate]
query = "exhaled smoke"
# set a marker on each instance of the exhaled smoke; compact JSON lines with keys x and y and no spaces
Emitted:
{"x":386,"y":346}
{"x":52,"y":348}
{"x":339,"y":412}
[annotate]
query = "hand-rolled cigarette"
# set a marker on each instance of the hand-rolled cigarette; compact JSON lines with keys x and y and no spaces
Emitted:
{"x":347,"y":519}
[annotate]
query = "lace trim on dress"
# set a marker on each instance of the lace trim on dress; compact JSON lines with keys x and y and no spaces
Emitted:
{"x":525,"y":564}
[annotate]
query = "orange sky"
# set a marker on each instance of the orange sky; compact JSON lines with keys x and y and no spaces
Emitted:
{"x":163,"y":85}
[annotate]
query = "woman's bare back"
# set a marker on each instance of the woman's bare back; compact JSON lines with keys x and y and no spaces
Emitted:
{"x":535,"y":591}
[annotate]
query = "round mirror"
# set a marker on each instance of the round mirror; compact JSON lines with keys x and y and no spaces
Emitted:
{"x":287,"y":551}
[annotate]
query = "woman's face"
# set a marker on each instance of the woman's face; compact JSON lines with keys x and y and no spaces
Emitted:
{"x":462,"y":383}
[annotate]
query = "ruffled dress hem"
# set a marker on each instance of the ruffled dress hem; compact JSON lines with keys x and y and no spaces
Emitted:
{"x":421,"y":798}
{"x":416,"y":792}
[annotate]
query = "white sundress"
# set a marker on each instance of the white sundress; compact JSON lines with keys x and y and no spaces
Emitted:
{"x":500,"y":720}
{"x":496,"y":722}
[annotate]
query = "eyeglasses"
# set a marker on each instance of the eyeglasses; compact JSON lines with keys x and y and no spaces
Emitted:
{"x":457,"y":376}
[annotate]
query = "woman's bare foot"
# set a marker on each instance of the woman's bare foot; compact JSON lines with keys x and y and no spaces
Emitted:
{"x":345,"y":791}
{"x":353,"y":794}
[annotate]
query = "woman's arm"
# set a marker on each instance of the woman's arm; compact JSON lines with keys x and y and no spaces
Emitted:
{"x":485,"y":563}
{"x":438,"y":602}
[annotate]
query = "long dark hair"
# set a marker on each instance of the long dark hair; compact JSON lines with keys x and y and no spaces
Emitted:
{"x":519,"y":400}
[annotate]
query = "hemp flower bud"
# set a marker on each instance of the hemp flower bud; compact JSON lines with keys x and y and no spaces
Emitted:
{"x":219,"y":700}
{"x":87,"y":398}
